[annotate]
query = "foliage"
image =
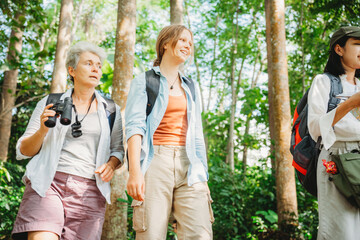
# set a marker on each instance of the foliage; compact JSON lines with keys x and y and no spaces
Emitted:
{"x":11,"y":191}
{"x":246,"y":208}
{"x":245,"y":202}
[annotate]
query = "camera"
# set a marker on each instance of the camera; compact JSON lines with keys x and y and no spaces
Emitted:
{"x":62,"y":109}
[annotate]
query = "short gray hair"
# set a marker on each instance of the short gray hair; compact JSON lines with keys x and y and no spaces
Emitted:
{"x":74,"y":52}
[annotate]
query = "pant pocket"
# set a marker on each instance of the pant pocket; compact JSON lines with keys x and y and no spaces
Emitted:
{"x":210,"y":201}
{"x":139,"y":216}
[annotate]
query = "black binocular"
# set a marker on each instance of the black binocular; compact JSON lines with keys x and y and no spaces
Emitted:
{"x":62,"y":109}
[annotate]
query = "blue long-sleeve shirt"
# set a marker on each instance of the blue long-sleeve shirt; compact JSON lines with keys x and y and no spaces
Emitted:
{"x":137,"y":123}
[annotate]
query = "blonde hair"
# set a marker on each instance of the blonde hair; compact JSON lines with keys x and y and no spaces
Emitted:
{"x":170,"y":34}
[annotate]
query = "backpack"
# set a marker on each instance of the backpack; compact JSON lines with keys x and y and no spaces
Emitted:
{"x":153,"y":85}
{"x":110,"y":109}
{"x":304,"y":149}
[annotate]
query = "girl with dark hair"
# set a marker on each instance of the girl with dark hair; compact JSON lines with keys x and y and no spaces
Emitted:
{"x":166,"y":149}
{"x":340,"y":132}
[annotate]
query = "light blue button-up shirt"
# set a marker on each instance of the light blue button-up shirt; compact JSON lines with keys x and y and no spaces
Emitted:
{"x":42,"y":167}
{"x":137,"y":123}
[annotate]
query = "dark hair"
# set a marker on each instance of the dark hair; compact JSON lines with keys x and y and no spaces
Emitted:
{"x":334,"y":65}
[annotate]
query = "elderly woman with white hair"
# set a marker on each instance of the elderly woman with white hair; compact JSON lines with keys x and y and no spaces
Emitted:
{"x":67,"y":179}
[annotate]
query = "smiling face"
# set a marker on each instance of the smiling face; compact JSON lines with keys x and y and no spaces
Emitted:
{"x":349,"y":54}
{"x":88,"y":70}
{"x":182,"y":49}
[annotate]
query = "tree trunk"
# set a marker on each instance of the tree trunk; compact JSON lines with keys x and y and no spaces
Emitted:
{"x":176,"y":11}
{"x":270,"y":80}
{"x":77,"y":20}
{"x":230,"y":143}
{"x":280,"y":111}
{"x":115,"y":226}
{"x":7,"y":100}
{"x":254,"y":80}
{"x":302,"y":48}
{"x":58,"y":83}
{"x":213,"y":62}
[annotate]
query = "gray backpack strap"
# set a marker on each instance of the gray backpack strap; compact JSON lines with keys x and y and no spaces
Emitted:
{"x":335,"y":89}
{"x":110,"y":110}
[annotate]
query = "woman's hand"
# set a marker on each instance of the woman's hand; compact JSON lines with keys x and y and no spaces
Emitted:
{"x":345,"y":107}
{"x":136,"y":186}
{"x":355,"y":100}
{"x":44,"y":117}
{"x":107,"y":170}
{"x":31,"y":145}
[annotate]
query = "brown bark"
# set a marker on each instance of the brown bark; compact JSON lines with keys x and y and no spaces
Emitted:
{"x":176,"y":11}
{"x":8,"y":97}
{"x":59,"y":75}
{"x":270,"y":83}
{"x":115,"y":226}
{"x":280,"y":116}
{"x":124,"y":51}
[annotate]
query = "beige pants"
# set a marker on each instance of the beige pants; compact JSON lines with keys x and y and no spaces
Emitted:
{"x":166,"y":191}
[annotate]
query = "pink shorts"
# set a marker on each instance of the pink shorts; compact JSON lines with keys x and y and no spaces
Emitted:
{"x":73,"y":208}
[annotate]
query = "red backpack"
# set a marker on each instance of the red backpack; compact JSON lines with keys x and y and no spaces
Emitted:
{"x":304,"y":149}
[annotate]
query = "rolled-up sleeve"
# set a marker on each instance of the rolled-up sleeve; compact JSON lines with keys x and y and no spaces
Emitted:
{"x":117,"y":144}
{"x":32,"y":127}
{"x":135,"y":112}
{"x":319,"y":120}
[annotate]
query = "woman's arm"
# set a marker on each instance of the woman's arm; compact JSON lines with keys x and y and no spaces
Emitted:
{"x":136,"y":182}
{"x":135,"y":129}
{"x":320,"y":122}
{"x":106,"y":171}
{"x":345,"y":107}
{"x":31,"y":144}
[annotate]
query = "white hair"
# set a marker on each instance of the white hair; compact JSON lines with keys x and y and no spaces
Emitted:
{"x":74,"y":52}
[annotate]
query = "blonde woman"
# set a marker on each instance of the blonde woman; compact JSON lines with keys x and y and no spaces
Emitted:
{"x":166,"y":149}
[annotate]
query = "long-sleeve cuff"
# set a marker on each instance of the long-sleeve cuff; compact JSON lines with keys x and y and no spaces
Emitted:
{"x":19,"y":155}
{"x":119,"y":156}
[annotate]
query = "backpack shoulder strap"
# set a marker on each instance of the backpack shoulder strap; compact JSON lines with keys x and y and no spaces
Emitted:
{"x":335,"y":89}
{"x":153,"y":85}
{"x":110,"y":110}
{"x":191,"y":86}
{"x":152,"y":89}
{"x":53,"y":98}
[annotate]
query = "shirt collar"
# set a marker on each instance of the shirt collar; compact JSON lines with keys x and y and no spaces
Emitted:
{"x":157,"y":71}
